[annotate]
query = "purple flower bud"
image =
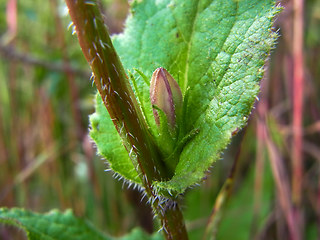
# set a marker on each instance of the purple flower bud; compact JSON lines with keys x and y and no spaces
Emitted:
{"x":166,"y":95}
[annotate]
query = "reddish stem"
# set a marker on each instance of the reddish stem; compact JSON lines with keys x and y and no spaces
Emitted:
{"x":282,"y":184}
{"x":298,"y":86}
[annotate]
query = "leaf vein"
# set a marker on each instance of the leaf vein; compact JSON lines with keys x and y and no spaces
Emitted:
{"x":189,"y":49}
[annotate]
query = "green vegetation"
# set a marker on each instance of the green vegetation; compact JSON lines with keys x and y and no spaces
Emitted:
{"x":264,"y":186}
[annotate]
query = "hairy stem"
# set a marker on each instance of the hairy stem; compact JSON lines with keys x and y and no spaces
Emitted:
{"x":113,"y":86}
{"x":173,"y":227}
{"x":117,"y":95}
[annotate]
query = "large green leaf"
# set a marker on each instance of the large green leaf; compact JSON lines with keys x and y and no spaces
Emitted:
{"x":216,"y":50}
{"x":61,"y":226}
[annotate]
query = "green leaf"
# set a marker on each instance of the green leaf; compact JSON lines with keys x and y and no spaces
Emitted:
{"x":216,"y":50}
{"x":50,"y":226}
{"x":55,"y":225}
{"x":109,"y":143}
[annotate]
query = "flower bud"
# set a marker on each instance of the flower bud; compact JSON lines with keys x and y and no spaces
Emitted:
{"x":166,"y":95}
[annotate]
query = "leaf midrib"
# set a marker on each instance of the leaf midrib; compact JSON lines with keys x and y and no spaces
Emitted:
{"x":185,"y":84}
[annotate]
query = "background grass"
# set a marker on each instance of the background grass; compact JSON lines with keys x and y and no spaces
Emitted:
{"x":47,"y":160}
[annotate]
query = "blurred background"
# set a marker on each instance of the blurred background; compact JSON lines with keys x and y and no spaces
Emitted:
{"x":47,"y":160}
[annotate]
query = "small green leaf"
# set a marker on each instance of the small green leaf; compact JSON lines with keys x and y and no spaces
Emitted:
{"x":138,"y":234}
{"x":53,"y":225}
{"x":109,"y":143}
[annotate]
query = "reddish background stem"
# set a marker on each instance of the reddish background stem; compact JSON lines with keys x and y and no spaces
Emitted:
{"x":298,"y":87}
